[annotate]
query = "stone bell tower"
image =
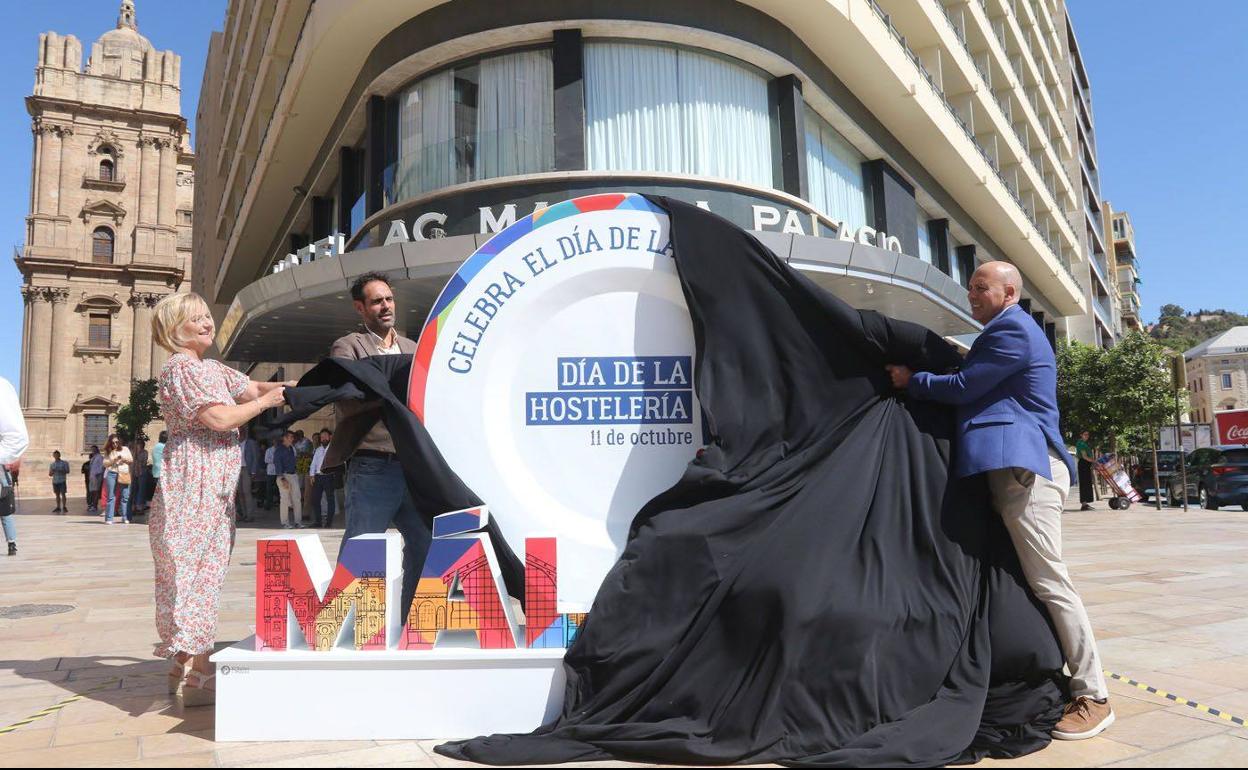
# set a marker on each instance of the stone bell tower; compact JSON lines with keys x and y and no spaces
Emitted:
{"x":108,"y":235}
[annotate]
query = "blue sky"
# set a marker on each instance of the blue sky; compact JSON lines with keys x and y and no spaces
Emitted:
{"x":1168,"y":100}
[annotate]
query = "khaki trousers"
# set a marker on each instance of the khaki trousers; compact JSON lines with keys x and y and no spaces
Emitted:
{"x":1031,"y":507}
{"x":289,"y":497}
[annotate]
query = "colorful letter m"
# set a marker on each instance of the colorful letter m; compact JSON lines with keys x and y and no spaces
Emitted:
{"x":302,"y":604}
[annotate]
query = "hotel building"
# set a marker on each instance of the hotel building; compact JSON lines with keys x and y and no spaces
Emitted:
{"x":884,"y":148}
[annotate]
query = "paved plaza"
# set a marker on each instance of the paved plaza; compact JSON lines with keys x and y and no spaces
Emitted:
{"x":1165,"y":591}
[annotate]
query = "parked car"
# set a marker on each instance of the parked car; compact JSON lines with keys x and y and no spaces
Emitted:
{"x":1216,"y":476}
{"x":1142,"y":478}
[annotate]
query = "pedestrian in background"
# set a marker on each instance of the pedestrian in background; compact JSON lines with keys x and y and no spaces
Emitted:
{"x":288,"y":490}
{"x":203,"y":403}
{"x":158,"y":462}
{"x":303,"y":466}
{"x":13,"y":441}
{"x":95,"y":480}
{"x":1086,"y":456}
{"x":322,"y":483}
{"x":138,"y":498}
{"x":118,"y":462}
{"x":247,"y":478}
{"x":59,"y":471}
{"x":86,"y":480}
{"x":270,"y":475}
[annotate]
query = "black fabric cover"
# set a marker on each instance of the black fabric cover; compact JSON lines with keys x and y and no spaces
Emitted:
{"x":816,"y":590}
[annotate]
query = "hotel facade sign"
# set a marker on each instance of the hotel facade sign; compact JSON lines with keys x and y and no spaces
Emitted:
{"x":488,"y":208}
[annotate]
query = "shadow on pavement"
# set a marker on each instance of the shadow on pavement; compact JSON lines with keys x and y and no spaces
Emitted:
{"x":133,"y":686}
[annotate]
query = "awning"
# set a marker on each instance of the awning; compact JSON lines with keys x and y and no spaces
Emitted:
{"x":295,"y":315}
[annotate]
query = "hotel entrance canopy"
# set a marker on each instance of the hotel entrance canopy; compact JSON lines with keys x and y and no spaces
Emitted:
{"x":295,"y":315}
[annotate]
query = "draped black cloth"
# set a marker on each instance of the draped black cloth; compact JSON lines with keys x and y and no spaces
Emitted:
{"x":816,"y":590}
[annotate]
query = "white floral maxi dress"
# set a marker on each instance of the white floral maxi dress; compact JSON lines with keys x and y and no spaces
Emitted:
{"x":192,"y":520}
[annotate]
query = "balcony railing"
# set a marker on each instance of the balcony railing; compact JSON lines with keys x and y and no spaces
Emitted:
{"x":1101,"y":268}
{"x":1104,"y":310}
{"x":108,"y":349}
{"x":1005,"y":111}
{"x":117,"y":182}
{"x":900,"y":39}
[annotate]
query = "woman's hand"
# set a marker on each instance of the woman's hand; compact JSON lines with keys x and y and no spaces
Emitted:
{"x":290,"y":384}
{"x":274,"y":398}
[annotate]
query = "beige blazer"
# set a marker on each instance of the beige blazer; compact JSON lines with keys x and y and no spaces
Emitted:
{"x":358,"y":423}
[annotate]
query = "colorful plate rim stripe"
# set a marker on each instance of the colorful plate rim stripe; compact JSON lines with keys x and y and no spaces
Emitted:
{"x":445,"y":303}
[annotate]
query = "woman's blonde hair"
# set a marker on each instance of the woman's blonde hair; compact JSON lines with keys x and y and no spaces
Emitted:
{"x":169,"y":315}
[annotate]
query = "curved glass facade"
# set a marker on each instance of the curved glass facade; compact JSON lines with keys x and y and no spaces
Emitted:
{"x":662,"y":108}
{"x":834,"y":173}
{"x":477,"y":120}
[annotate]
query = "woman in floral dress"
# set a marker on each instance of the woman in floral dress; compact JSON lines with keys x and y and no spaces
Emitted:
{"x":191,"y":526}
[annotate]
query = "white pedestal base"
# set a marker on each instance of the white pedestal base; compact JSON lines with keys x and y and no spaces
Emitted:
{"x":300,"y":695}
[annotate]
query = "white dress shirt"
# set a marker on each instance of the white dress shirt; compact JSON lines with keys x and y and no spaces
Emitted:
{"x":318,"y":458}
{"x":379,"y":341}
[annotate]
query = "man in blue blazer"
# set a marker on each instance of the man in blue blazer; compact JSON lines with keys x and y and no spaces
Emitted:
{"x":1006,"y":399}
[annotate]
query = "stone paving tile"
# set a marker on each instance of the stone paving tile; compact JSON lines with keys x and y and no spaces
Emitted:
{"x":1167,"y":594}
{"x":369,"y":755}
{"x":202,"y":759}
{"x":254,"y":753}
{"x":1215,"y":751}
{"x":1189,"y":688}
{"x":1093,"y":752}
{"x":26,"y":739}
{"x":120,"y":750}
{"x":1161,"y":729}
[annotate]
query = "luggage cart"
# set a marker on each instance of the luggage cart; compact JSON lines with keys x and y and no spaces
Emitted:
{"x":1108,"y":468}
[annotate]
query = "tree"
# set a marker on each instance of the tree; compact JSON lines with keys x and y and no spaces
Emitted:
{"x":1123,"y":393}
{"x":142,"y":408}
{"x":1138,"y":389}
{"x":1080,"y":393}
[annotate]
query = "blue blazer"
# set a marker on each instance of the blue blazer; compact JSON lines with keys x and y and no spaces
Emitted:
{"x":1006,"y":398}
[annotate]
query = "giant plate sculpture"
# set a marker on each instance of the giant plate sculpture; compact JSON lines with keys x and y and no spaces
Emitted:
{"x":555,"y":374}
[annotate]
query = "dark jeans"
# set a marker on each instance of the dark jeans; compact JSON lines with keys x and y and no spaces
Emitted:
{"x":138,"y":490}
{"x":377,"y":499}
{"x":323,"y":498}
{"x":270,"y":491}
{"x":1086,"y":493}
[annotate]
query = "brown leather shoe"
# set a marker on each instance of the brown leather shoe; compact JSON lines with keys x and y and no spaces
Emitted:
{"x":1084,"y":718}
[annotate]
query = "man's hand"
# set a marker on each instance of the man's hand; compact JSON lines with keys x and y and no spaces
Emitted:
{"x":900,"y":375}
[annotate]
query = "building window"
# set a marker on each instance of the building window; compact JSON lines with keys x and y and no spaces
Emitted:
{"x":484,"y":119}
{"x":1226,"y":380}
{"x":99,"y":330}
{"x":925,"y":237}
{"x":106,"y":170}
{"x":185,"y":217}
{"x":654,"y":107}
{"x":94,"y":430}
{"x":834,"y":173}
{"x":102,"y":246}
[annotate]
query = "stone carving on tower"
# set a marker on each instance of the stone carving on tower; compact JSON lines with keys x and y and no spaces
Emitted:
{"x":109,"y":218}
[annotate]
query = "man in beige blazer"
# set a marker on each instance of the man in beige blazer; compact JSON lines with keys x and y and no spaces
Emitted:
{"x":376,"y":492}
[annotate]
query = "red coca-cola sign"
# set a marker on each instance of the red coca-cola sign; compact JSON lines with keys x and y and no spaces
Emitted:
{"x":1232,"y":427}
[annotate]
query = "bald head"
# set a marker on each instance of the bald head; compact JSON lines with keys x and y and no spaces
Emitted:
{"x":994,"y":287}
